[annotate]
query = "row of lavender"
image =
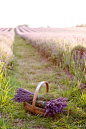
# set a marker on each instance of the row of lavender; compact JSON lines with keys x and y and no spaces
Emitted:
{"x":55,"y":43}
{"x":7,"y":36}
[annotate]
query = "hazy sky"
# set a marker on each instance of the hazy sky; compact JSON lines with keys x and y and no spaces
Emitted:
{"x":37,"y":13}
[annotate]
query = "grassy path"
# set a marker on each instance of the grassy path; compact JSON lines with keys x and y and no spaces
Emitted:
{"x":30,"y":68}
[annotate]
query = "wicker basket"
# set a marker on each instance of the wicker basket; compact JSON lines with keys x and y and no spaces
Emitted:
{"x":32,"y":108}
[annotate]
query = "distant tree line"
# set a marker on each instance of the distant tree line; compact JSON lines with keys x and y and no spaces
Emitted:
{"x":23,"y":25}
{"x":82,"y":25}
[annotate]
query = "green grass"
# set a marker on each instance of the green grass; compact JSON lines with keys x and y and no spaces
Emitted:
{"x":30,"y":68}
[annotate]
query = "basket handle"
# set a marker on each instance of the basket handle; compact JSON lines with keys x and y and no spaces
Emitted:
{"x":36,"y":93}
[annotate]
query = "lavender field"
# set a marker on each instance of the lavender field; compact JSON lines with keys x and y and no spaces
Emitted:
{"x":31,"y":55}
{"x":57,"y":44}
{"x":7,"y":36}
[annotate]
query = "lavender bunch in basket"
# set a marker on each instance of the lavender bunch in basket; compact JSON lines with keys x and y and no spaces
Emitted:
{"x":51,"y":106}
{"x":23,"y":95}
{"x":56,"y":105}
